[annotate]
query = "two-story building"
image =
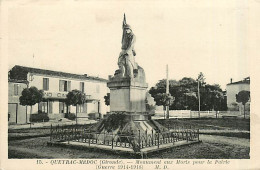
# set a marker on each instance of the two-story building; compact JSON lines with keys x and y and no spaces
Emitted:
{"x":233,"y":88}
{"x":56,"y":86}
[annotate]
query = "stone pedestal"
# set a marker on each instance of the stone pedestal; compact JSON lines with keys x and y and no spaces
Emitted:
{"x":127,"y":95}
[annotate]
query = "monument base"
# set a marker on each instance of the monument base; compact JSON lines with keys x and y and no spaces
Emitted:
{"x":127,"y":94}
{"x":132,"y":136}
{"x":127,"y":124}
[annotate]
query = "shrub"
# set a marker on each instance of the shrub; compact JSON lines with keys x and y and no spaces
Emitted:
{"x":93,"y":116}
{"x":40,"y":117}
{"x":70,"y":116}
{"x":115,"y":120}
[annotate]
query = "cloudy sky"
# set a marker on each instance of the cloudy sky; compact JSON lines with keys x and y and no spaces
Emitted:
{"x":85,"y":37}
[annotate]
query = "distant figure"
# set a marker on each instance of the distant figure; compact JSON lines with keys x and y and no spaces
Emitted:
{"x":126,"y":60}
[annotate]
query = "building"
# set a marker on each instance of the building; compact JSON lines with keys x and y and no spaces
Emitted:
{"x":16,"y":112}
{"x":56,"y":86}
{"x":234,"y":88}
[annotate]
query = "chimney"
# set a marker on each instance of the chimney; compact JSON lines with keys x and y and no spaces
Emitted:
{"x":109,"y":77}
{"x":231,"y":80}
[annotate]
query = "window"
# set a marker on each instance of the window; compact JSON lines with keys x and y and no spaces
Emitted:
{"x":16,"y":89}
{"x":45,"y":83}
{"x":64,"y":85}
{"x":81,"y":87}
{"x":43,"y":107}
{"x":50,"y":107}
{"x":81,"y":108}
{"x":63,"y":108}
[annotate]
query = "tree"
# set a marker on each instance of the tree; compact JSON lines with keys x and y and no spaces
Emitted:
{"x":75,"y":97}
{"x":164,"y":100}
{"x":107,"y":99}
{"x":213,"y":98}
{"x":243,"y":97}
{"x":185,"y":92}
{"x":31,"y":96}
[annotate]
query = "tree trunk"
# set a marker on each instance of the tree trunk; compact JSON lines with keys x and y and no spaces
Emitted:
{"x":244,"y":111}
{"x":167,"y":112}
{"x":31,"y":118}
{"x":164,"y":112}
{"x":199,"y":97}
{"x":76,"y":115}
{"x":26,"y":114}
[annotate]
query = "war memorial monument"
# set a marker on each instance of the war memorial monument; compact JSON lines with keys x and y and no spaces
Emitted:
{"x":128,"y":128}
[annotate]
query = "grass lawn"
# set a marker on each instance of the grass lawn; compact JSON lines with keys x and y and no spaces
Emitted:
{"x":230,"y":142}
{"x":19,"y":134}
{"x":210,"y":123}
{"x":211,"y":126}
{"x":37,"y":148}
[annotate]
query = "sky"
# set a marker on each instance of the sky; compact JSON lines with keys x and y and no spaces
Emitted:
{"x":84,"y":37}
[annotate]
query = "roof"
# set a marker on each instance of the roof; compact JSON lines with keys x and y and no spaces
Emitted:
{"x":20,"y":73}
{"x":245,"y":81}
{"x":17,"y":81}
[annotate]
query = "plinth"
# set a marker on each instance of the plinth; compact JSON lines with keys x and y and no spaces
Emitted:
{"x":128,"y":95}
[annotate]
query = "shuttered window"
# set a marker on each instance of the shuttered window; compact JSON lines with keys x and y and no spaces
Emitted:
{"x":45,"y":83}
{"x":61,"y":85}
{"x":69,"y":86}
{"x":65,"y":85}
{"x":43,"y":107}
{"x":81,"y":108}
{"x":16,"y":89}
{"x":61,"y":107}
{"x":50,"y":107}
{"x":81,"y":87}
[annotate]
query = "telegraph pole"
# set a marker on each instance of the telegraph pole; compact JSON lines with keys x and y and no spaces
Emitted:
{"x":200,"y":79}
{"x":167,"y":91}
{"x":199,"y":95}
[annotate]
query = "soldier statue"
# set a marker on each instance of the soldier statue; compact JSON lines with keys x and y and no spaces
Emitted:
{"x":126,"y":60}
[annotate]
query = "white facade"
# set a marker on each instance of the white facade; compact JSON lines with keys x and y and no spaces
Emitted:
{"x":232,"y":90}
{"x":55,"y":94}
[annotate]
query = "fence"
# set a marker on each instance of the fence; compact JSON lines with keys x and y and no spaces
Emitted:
{"x":203,"y":114}
{"x":137,"y":142}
